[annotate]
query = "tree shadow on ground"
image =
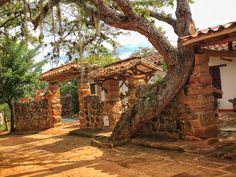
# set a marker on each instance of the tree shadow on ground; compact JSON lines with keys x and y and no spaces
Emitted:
{"x":72,"y":156}
{"x":60,"y":155}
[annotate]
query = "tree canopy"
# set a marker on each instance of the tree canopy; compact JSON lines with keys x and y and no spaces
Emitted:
{"x":18,"y":71}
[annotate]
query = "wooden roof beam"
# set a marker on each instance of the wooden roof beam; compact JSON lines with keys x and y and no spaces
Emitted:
{"x":215,"y":53}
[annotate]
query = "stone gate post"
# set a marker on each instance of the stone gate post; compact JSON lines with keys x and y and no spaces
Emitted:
{"x":54,"y":105}
{"x":112,"y":104}
{"x":83,"y":91}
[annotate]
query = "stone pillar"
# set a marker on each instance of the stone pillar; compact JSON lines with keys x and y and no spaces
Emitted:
{"x":199,"y":99}
{"x":54,"y":105}
{"x":134,"y":82}
{"x":83,"y":91}
{"x":112,"y":105}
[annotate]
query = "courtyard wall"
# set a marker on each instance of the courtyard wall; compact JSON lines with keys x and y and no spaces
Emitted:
{"x":32,"y":115}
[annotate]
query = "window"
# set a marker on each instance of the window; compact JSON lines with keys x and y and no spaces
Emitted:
{"x":216,"y":79}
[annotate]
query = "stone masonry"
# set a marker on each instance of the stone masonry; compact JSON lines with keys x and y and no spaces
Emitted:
{"x":32,"y":116}
{"x":54,"y":106}
{"x":192,"y":110}
{"x":198,"y":99}
{"x":112,"y":104}
{"x":93,"y":109}
{"x":83,"y":91}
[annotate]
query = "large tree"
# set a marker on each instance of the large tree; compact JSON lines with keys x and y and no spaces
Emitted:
{"x":18,"y":72}
{"x":139,"y":16}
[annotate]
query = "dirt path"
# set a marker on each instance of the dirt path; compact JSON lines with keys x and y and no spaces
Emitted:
{"x":53,"y":153}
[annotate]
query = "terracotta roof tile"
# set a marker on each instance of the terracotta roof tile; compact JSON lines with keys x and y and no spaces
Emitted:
{"x":120,"y":68}
{"x":55,"y":71}
{"x":209,"y":30}
{"x":64,"y":69}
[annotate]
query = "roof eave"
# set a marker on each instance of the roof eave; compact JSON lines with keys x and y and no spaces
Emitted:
{"x":185,"y":41}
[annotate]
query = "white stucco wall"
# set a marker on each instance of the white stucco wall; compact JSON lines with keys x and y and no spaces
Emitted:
{"x":228,"y":80}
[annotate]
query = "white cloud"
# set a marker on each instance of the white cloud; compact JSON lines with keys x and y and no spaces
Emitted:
{"x":133,"y":39}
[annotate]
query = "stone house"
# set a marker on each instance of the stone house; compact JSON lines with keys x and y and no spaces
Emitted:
{"x":219,"y":42}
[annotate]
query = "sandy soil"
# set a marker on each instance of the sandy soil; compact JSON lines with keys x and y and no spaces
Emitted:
{"x":54,"y":153}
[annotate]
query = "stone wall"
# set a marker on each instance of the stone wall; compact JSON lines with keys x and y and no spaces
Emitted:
{"x":191,"y":113}
{"x":164,"y":126}
{"x":93,"y":110}
{"x":32,"y":116}
{"x":198,"y":99}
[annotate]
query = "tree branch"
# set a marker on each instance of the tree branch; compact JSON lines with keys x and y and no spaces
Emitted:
{"x":164,"y":18}
{"x":138,"y":23}
{"x":42,"y":15}
{"x":2,"y":2}
{"x":185,"y":25}
{"x":9,"y":20}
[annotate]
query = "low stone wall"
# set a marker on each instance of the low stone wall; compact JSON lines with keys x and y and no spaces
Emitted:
{"x":93,"y":109}
{"x":32,"y":116}
{"x":164,"y":126}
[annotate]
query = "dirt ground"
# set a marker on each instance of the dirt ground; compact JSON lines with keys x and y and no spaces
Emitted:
{"x":54,"y":153}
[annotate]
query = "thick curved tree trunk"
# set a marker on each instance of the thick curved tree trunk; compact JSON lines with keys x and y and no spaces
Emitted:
{"x":155,"y":99}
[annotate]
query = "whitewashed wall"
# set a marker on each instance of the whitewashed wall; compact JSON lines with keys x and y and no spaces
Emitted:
{"x":228,"y":80}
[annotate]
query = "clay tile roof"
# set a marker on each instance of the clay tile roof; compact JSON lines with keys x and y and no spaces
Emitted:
{"x":64,"y":71}
{"x":123,"y":68}
{"x":209,"y":32}
{"x":56,"y":71}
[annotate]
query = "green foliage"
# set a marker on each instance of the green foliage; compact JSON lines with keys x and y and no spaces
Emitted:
{"x":13,"y":23}
{"x":18,"y":71}
{"x":153,"y":3}
{"x":164,"y":65}
{"x":101,"y":60}
{"x":143,"y":51}
{"x":71,"y":88}
{"x":81,"y":34}
{"x":6,"y":113}
{"x":157,"y":78}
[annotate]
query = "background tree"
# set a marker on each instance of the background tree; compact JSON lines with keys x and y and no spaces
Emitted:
{"x":18,"y":72}
{"x":143,"y":51}
{"x":4,"y":110}
{"x":70,"y":32}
